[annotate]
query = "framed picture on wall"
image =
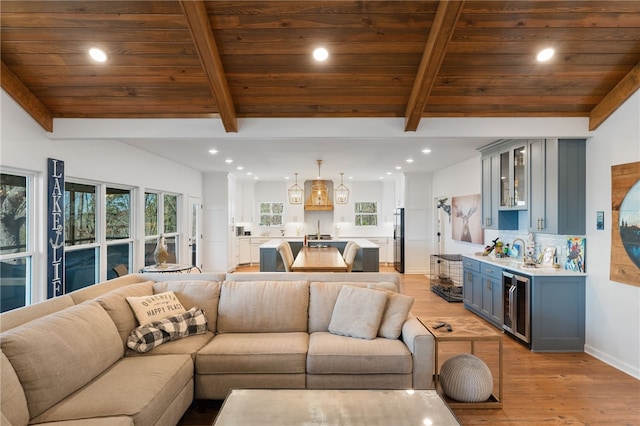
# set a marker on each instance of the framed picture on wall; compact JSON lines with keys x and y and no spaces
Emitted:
{"x":466,"y":219}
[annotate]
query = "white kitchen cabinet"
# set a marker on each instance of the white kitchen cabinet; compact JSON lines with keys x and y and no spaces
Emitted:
{"x":557,"y":195}
{"x":244,"y":202}
{"x":244,"y":250}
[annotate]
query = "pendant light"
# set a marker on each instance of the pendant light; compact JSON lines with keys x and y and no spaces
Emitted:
{"x":319,"y":191}
{"x":296,"y":193}
{"x":341,"y":193}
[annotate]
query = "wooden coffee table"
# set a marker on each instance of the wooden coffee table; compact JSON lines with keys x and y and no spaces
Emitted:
{"x":466,"y":329}
{"x":295,"y":407}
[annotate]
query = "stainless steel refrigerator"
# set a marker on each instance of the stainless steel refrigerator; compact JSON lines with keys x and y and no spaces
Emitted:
{"x":398,"y":240}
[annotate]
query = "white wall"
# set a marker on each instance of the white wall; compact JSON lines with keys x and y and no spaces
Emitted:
{"x":24,"y":146}
{"x":418,"y":214}
{"x":613,"y":309}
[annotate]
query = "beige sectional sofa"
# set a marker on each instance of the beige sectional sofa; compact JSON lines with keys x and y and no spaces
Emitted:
{"x":66,"y":361}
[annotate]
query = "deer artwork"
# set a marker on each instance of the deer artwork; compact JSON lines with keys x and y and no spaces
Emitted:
{"x":460,"y":212}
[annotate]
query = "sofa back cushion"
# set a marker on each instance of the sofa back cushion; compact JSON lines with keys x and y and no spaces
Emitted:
{"x":56,"y":355}
{"x":263,"y":306}
{"x":116,"y":305}
{"x":19,"y":316}
{"x":13,"y":402}
{"x":195,"y":294}
{"x":322,"y":299}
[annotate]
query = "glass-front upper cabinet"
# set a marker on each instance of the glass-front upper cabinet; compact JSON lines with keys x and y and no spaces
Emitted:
{"x":513,"y":185}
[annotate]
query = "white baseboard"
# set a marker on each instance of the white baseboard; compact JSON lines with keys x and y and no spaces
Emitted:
{"x":614,"y":362}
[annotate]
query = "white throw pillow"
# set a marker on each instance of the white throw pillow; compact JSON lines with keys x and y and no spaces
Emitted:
{"x":358,"y":312}
{"x":155,"y":307}
{"x":395,"y":315}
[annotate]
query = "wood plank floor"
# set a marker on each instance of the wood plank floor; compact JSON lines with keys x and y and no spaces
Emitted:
{"x":539,"y":388}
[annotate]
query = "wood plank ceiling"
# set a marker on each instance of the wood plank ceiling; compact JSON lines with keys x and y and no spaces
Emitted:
{"x":230,"y":59}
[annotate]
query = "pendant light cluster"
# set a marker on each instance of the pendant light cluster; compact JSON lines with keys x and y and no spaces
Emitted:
{"x":319,"y":196}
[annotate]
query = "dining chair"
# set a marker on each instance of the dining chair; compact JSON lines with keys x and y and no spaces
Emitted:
{"x":284,"y":248}
{"x":346,"y":249}
{"x":120,"y":269}
{"x":351,"y":256}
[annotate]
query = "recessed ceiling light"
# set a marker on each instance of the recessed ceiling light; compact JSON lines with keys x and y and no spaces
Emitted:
{"x":388,"y":173}
{"x":228,"y":161}
{"x":398,"y":167}
{"x":409,"y":160}
{"x":97,"y":55}
{"x":545,"y":54}
{"x":426,"y":151}
{"x":256,"y":177}
{"x":249,"y":173}
{"x":320,"y":54}
{"x":239,"y":168}
{"x":380,"y":177}
{"x":213,"y":151}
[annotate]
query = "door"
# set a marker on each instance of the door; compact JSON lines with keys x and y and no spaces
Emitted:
{"x":195,"y":231}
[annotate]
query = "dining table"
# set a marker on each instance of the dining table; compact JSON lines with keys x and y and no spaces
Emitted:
{"x":319,"y":259}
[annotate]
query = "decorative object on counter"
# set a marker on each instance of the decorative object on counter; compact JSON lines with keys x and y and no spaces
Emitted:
{"x":296,"y":193}
{"x":467,"y":221}
{"x":529,"y":257}
{"x":489,"y":248}
{"x":575,"y":254}
{"x":625,"y":224}
{"x":547,"y":256}
{"x":341,"y":193}
{"x":498,"y":249}
{"x":160,"y":254}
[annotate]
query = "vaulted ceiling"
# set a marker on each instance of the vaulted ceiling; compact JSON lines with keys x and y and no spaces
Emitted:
{"x":233,"y":59}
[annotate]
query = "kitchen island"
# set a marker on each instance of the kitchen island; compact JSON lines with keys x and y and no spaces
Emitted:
{"x":367,"y":259}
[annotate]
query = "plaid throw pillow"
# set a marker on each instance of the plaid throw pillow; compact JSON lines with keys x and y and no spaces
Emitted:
{"x":148,"y":336}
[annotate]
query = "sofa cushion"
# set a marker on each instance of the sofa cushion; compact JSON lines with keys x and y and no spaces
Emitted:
{"x":149,"y":336}
{"x":19,"y":316}
{"x":358,"y":312}
{"x":116,"y":305}
{"x":333,"y":354}
{"x":395,"y":315}
{"x":155,"y":307}
{"x":13,"y":402}
{"x":188,"y":346}
{"x":139,"y":387}
{"x":202,"y":294}
{"x":46,"y":353}
{"x":263,"y":307}
{"x":322,"y":299}
{"x":254,"y":353}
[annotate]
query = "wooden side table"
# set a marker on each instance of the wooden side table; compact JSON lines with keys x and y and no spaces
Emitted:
{"x":466,"y":330}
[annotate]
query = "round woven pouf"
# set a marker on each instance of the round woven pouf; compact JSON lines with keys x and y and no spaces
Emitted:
{"x":466,"y":378}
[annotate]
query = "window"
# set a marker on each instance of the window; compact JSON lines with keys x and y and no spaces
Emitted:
{"x":16,"y":228}
{"x":161,"y":217}
{"x":81,"y":248}
{"x":271,"y":214}
{"x":118,"y":229}
{"x":366,"y":213}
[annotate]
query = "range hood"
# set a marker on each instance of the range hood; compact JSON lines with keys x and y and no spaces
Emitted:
{"x":318,"y":195}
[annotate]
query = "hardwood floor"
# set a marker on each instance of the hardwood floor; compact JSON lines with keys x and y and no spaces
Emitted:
{"x":539,"y":388}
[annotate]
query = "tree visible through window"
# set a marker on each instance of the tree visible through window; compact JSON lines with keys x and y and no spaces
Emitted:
{"x":271,"y":214}
{"x":366,"y":213}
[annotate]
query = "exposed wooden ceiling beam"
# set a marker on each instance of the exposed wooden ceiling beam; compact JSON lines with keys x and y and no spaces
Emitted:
{"x":444,"y":24}
{"x":205,"y":43}
{"x":629,"y":84}
{"x":27,"y":100}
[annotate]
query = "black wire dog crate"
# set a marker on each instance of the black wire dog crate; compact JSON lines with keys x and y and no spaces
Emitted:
{"x":446,"y":276}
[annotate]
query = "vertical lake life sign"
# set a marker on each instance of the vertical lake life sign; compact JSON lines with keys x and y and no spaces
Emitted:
{"x":55,"y":226}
